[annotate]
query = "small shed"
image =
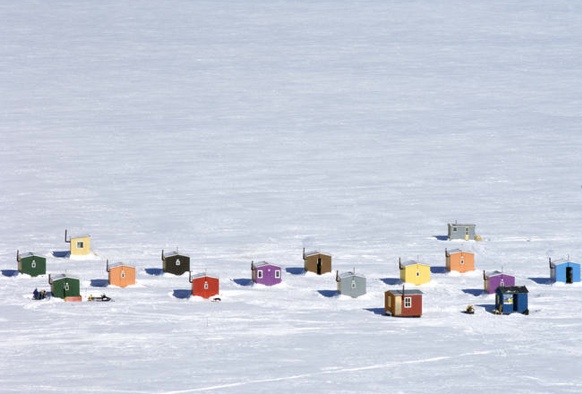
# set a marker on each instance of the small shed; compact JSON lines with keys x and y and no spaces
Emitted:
{"x":511,"y":299}
{"x":316,"y":262}
{"x":80,"y":245}
{"x":459,"y":260}
{"x":120,"y":274}
{"x":414,"y":272}
{"x":461,"y":231}
{"x":64,"y":286}
{"x":403,"y":303}
{"x":564,"y":271}
{"x":31,"y":263}
{"x":265,"y":273}
{"x":492,"y":280}
{"x":204,"y":285}
{"x":350,"y":283}
{"x":175,"y":263}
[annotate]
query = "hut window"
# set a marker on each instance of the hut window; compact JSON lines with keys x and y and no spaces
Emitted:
{"x":462,"y":261}
{"x":417,"y":273}
{"x":80,"y":245}
{"x":259,"y":274}
{"x":205,"y":285}
{"x":454,"y":229}
{"x":66,"y":287}
{"x":466,"y":230}
{"x":389,"y":302}
{"x":177,"y":261}
{"x":353,"y":284}
{"x":502,"y":283}
{"x":123,"y":273}
{"x":407,"y":302}
{"x":277,"y":274}
{"x":33,"y":264}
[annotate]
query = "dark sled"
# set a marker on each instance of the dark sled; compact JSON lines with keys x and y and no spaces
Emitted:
{"x":101,"y":298}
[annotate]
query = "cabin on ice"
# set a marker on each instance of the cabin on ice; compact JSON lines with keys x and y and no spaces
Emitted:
{"x":414,"y":272}
{"x":564,"y":271}
{"x":403,"y":303}
{"x":459,"y":260}
{"x":204,"y":285}
{"x":351,"y":284}
{"x":265,"y":273}
{"x":461,"y":231}
{"x":31,"y":263}
{"x":316,"y":262}
{"x":79,"y":245}
{"x":175,"y":263}
{"x":120,"y":274}
{"x":494,"y":279}
{"x":511,"y":299}
{"x":65,"y":286}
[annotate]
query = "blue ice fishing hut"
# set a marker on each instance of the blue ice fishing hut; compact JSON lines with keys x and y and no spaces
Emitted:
{"x":564,"y":271}
{"x":511,"y":299}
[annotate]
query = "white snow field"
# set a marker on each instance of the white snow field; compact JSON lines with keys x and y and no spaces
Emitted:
{"x":247,"y":130}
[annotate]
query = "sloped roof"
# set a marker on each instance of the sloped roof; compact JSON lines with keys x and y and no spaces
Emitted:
{"x":315,"y":252}
{"x":120,"y":264}
{"x":203,"y":275}
{"x":265,"y":264}
{"x":455,"y":251}
{"x":513,"y":290}
{"x":62,"y":276}
{"x":406,"y":292}
{"x":413,"y":262}
{"x":351,"y":274}
{"x":562,"y":262}
{"x":175,"y":253}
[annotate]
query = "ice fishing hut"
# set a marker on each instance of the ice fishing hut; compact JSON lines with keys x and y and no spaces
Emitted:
{"x":80,"y":245}
{"x":120,"y":274}
{"x":403,"y":303}
{"x":204,"y":285}
{"x":350,"y":283}
{"x":316,"y":262}
{"x":461,"y":231}
{"x":414,"y":272}
{"x":64,"y":286}
{"x":31,"y":263}
{"x":564,"y":271}
{"x":459,"y":260}
{"x":175,"y":263}
{"x":265,"y":273}
{"x":511,"y":299}
{"x":494,"y":279}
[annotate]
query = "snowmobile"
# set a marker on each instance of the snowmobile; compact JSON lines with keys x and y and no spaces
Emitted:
{"x":101,"y":298}
{"x":470,"y":310}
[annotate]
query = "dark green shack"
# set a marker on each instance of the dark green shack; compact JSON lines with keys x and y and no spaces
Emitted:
{"x":63,"y":286}
{"x":31,"y":264}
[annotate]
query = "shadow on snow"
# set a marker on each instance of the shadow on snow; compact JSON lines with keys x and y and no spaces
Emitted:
{"x":61,"y":253}
{"x":475,"y":292}
{"x":9,"y":272}
{"x":154,"y":271}
{"x":182,"y":293}
{"x":488,"y":307}
{"x":99,"y":282}
{"x":376,"y":311}
{"x":438,"y":270}
{"x":295,"y":270}
{"x":441,"y":237}
{"x":243,"y":281}
{"x":391,"y":281}
{"x":542,"y":281}
{"x":328,"y":293}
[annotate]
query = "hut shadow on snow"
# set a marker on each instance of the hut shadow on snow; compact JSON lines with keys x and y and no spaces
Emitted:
{"x":438,"y":270}
{"x":441,"y":237}
{"x":99,"y":282}
{"x":541,"y":281}
{"x":328,"y":293}
{"x":243,"y":281}
{"x":376,"y":311}
{"x":61,"y":253}
{"x":295,"y":270}
{"x":488,"y":307}
{"x":475,"y":292}
{"x":182,"y":293}
{"x":154,"y":271}
{"x":9,"y":272}
{"x":391,"y":281}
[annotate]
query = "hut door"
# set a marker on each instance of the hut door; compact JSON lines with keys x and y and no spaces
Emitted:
{"x":319,"y":266}
{"x":569,"y":274}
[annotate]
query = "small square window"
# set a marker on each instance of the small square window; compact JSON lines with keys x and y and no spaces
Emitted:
{"x":277,"y":274}
{"x":80,"y":245}
{"x":407,"y":302}
{"x":205,"y":285}
{"x":177,"y":261}
{"x":259,"y":274}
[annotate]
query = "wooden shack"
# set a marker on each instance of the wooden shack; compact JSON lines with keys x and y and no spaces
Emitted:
{"x":204,"y":285}
{"x":175,"y":263}
{"x":461,"y":231}
{"x":511,"y":299}
{"x":414,"y":272}
{"x":64,"y":286}
{"x":403,"y":303}
{"x":459,"y":260}
{"x":80,"y":245}
{"x":120,"y":274}
{"x":564,"y":271}
{"x":351,"y":283}
{"x":265,"y":273}
{"x":494,"y":279}
{"x":31,"y":264}
{"x":316,"y":262}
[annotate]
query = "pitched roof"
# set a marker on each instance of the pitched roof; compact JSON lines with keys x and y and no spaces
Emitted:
{"x":513,"y":289}
{"x":315,"y":252}
{"x":351,"y":274}
{"x":175,"y":253}
{"x":406,"y":292}
{"x":412,"y":262}
{"x":265,"y":264}
{"x":203,"y":275}
{"x":120,"y":264}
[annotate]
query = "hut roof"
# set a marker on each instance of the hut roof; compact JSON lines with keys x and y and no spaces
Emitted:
{"x":455,"y":251}
{"x":513,"y":289}
{"x":265,"y":264}
{"x":203,"y":275}
{"x":28,"y":254}
{"x":175,"y":253}
{"x":120,"y":264}
{"x":406,"y":292}
{"x":315,"y":252}
{"x":413,"y":262}
{"x":350,"y":274}
{"x":63,"y":276}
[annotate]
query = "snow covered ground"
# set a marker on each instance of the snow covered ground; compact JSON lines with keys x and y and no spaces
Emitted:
{"x":242,"y":131}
